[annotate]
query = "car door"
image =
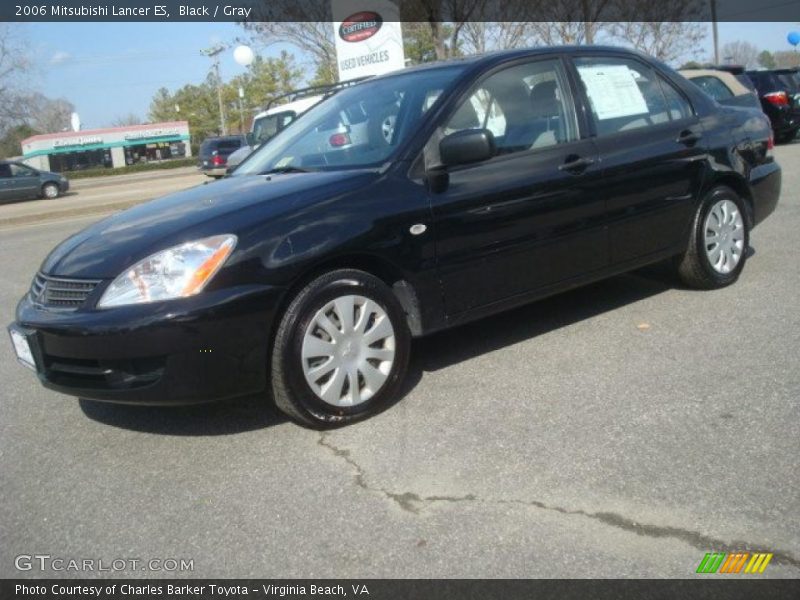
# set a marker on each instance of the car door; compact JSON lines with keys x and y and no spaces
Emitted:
{"x":6,"y":182}
{"x":24,"y":181}
{"x":528,"y":217}
{"x":651,"y":147}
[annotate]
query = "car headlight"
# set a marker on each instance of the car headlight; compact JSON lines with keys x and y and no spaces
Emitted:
{"x":176,"y":272}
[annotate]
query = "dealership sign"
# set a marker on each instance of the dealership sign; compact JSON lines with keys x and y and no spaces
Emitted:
{"x":79,"y":141}
{"x":369,"y":39}
{"x":151,"y":133}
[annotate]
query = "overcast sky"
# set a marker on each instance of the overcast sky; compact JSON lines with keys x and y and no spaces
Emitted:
{"x":112,"y":69}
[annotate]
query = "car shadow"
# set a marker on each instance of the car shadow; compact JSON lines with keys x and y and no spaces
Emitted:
{"x":437,"y":351}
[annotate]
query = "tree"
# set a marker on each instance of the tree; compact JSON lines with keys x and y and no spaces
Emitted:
{"x":10,"y":142}
{"x":786,"y":59}
{"x":265,"y":79}
{"x":126,"y":120}
{"x":48,"y":115}
{"x":740,"y":53}
{"x":766,"y":60}
{"x":14,"y":66}
{"x":664,"y":40}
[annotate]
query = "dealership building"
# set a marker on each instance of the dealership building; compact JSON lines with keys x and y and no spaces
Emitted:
{"x":112,"y":147}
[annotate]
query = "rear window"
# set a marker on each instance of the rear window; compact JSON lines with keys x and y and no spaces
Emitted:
{"x":713,"y":87}
{"x":220,"y":146}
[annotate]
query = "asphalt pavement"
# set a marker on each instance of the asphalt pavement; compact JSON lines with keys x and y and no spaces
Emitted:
{"x":620,"y":430}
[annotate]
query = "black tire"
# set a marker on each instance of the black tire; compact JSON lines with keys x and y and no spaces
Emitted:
{"x":291,"y":392}
{"x":50,"y":191}
{"x":786,"y":138}
{"x":694,"y":267}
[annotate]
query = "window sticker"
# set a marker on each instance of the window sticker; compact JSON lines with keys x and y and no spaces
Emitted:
{"x":613,"y":91}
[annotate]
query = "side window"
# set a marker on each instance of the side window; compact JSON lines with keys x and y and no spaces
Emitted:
{"x":713,"y":87}
{"x":525,"y":107}
{"x":678,"y":106}
{"x":5,"y":170}
{"x":625,"y":94}
{"x":21,"y":171}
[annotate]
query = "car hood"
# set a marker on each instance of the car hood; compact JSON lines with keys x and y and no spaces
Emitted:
{"x":103,"y":250}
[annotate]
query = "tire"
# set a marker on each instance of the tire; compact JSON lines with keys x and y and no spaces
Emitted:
{"x":50,"y":191}
{"x":701,"y":266}
{"x":301,"y":378}
{"x":786,"y":138}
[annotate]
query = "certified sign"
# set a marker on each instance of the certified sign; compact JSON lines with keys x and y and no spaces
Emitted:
{"x":360,"y":26}
{"x":368,"y":42}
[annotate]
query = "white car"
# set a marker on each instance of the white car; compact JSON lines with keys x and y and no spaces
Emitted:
{"x":268,"y":123}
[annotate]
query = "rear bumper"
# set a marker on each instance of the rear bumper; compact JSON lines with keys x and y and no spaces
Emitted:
{"x":765,"y":187}
{"x":214,"y":172}
{"x":209,"y":347}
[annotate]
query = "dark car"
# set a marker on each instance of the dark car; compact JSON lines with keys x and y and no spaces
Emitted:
{"x":780,"y":99}
{"x":214,"y":153}
{"x":18,"y":181}
{"x":505,"y":178}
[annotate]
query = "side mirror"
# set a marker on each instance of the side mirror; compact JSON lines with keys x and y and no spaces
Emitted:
{"x":467,"y":146}
{"x":250,"y":138}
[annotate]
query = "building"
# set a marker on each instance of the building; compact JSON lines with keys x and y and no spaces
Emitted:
{"x":112,"y":147}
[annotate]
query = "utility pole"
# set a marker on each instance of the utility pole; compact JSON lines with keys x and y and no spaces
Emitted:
{"x":714,"y":30}
{"x":214,"y":53}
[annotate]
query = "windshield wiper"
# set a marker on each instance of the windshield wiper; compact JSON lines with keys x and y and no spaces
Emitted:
{"x":287,"y":169}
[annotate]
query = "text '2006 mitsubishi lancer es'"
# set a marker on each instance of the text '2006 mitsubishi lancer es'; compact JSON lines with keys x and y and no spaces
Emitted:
{"x":404,"y":205}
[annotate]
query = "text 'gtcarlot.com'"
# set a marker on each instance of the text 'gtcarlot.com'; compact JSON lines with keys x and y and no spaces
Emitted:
{"x":46,"y":562}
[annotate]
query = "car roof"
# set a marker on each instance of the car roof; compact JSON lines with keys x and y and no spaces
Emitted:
{"x":736,"y":86}
{"x":500,"y":56}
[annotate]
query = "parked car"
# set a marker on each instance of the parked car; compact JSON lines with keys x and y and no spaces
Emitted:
{"x":780,"y":100}
{"x":279,"y":114}
{"x":723,"y":87}
{"x":214,"y":153}
{"x":19,"y":181}
{"x":508,"y":177}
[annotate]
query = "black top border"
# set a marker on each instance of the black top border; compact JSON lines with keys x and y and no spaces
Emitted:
{"x":410,"y":10}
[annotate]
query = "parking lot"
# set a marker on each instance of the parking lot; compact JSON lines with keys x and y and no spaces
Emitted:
{"x":620,"y":430}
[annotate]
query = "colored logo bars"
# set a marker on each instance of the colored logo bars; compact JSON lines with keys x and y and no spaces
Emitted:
{"x":721,"y":562}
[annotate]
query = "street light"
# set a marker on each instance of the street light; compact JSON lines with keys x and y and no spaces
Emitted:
{"x":244,"y":56}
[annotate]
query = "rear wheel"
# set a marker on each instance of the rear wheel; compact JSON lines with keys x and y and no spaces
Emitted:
{"x":50,"y":191}
{"x":341,"y":350}
{"x":717,"y":249}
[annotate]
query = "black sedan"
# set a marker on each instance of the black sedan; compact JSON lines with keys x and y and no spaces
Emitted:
{"x":18,"y":181}
{"x":404,"y":205}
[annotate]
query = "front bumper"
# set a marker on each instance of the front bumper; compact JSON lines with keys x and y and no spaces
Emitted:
{"x":208,"y":347}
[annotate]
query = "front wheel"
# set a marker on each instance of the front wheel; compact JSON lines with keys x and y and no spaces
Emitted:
{"x":341,"y":350}
{"x":50,"y":191}
{"x":717,"y":249}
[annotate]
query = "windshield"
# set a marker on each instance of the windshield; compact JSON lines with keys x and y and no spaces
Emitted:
{"x":358,"y":127}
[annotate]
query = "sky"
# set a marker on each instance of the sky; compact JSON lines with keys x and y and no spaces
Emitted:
{"x":109,"y":70}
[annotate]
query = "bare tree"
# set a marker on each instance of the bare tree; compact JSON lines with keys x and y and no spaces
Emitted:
{"x":48,"y":115}
{"x":125,"y":120}
{"x":13,"y":67}
{"x":664,"y":40}
{"x":740,"y":53}
{"x":311,"y":32}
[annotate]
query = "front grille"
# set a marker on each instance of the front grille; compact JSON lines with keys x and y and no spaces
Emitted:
{"x":60,"y":293}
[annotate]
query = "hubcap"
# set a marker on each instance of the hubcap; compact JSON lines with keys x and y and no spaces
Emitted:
{"x":348,"y":350}
{"x":724,"y":236}
{"x":50,"y":191}
{"x":387,"y":128}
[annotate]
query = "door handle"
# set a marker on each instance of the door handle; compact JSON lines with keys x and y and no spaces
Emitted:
{"x":688,"y":137}
{"x":576,"y":164}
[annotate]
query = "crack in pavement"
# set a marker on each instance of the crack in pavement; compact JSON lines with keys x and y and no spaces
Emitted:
{"x":412,"y":503}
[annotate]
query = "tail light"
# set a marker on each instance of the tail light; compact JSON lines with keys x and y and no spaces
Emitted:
{"x":777,"y":98}
{"x":339,"y":139}
{"x":770,"y":142}
{"x":218,"y":160}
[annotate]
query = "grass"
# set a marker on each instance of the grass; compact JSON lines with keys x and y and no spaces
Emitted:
{"x":137,"y":168}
